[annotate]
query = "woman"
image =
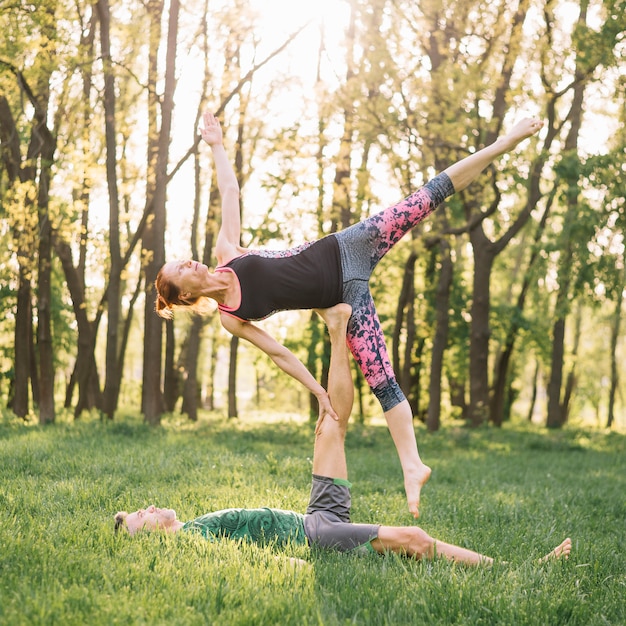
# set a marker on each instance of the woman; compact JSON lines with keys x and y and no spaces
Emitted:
{"x":249,"y":285}
{"x":327,"y":523}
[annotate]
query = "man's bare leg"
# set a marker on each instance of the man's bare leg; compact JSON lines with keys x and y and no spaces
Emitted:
{"x":412,"y":541}
{"x":329,"y":457}
{"x":463,"y":555}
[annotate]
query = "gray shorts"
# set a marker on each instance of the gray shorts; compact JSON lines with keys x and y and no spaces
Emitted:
{"x":327,"y":520}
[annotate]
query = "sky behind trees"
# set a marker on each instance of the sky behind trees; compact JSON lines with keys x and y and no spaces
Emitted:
{"x":331,"y":110}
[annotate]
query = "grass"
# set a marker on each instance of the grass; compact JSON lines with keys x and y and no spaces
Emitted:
{"x":511,"y":493}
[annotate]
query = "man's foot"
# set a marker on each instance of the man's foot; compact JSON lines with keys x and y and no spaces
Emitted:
{"x":561,"y":551}
{"x":413,"y":483}
{"x":336,"y":317}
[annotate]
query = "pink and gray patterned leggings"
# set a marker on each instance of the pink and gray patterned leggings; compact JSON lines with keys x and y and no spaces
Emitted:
{"x":362,"y":246}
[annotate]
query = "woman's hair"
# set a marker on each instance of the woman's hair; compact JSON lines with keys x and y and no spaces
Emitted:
{"x":169,"y":297}
{"x":120,"y":521}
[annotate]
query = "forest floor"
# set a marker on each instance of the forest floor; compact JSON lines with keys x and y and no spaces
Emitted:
{"x":512,"y":493}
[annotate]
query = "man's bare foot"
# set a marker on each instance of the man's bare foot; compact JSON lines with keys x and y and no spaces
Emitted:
{"x":522,"y":130}
{"x":413,"y":483}
{"x":561,"y":551}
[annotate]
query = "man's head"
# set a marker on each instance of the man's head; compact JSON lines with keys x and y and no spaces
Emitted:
{"x":150,"y":518}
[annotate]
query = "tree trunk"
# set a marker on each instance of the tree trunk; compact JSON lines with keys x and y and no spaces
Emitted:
{"x":154,"y":242}
{"x":23,"y":338}
{"x":533,"y":397}
{"x":110,"y":395}
{"x":555,"y":418}
{"x":44,"y":284}
{"x":43,"y":146}
{"x":171,"y":378}
{"x":23,"y":328}
{"x":556,"y":415}
{"x":570,"y":383}
{"x":191,"y":391}
{"x":616,"y":321}
{"x":85,"y":372}
{"x":405,"y":301}
{"x":312,"y":361}
{"x":232,"y":378}
{"x":501,"y":373}
{"x":440,"y":339}
{"x":480,"y":329}
{"x":209,"y":400}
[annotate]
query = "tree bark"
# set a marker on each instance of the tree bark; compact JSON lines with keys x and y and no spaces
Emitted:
{"x":556,"y":415}
{"x":85,"y":373}
{"x":440,"y":339}
{"x":503,"y":360}
{"x":154,"y":241}
{"x":232,"y":379}
{"x":616,"y":320}
{"x":111,"y":391}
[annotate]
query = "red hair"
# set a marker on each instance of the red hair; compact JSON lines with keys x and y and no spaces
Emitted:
{"x":169,"y":297}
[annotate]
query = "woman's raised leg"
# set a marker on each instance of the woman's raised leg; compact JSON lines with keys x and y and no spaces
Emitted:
{"x":468,"y":169}
{"x":416,"y":473}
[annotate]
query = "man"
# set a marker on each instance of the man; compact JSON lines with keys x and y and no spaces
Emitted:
{"x":326,"y":523}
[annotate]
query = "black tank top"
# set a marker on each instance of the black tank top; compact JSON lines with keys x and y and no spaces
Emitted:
{"x":306,"y":277}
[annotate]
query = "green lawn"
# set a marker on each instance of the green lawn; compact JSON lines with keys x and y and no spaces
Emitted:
{"x":512,"y":493}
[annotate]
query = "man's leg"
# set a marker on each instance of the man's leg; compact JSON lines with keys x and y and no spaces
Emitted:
{"x":329,"y":457}
{"x":414,"y":542}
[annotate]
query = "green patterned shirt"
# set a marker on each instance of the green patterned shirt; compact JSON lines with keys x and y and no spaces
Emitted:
{"x":261,"y":526}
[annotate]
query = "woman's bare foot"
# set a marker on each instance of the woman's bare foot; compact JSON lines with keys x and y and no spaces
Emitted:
{"x":522,"y":130}
{"x":561,"y":551}
{"x":414,"y":480}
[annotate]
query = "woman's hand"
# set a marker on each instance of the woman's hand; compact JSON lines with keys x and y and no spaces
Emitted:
{"x":326,"y":408}
{"x":212,"y":131}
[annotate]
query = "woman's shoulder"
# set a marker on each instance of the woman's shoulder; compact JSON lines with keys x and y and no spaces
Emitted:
{"x":225,"y":255}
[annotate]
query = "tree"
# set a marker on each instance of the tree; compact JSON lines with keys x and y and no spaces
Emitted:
{"x":154,"y":239}
{"x":34,"y":176}
{"x":573,"y":242}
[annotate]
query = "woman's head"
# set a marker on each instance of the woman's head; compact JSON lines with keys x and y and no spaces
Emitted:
{"x":180,"y":284}
{"x":150,"y":518}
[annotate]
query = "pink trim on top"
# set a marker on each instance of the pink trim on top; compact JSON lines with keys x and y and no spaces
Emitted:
{"x":224,"y":307}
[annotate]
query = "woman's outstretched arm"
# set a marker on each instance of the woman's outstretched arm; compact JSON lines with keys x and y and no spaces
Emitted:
{"x":227,"y":245}
{"x":286,"y":360}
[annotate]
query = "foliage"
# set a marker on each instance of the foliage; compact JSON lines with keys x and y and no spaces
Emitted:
{"x":508,"y":492}
{"x":411,"y":88}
